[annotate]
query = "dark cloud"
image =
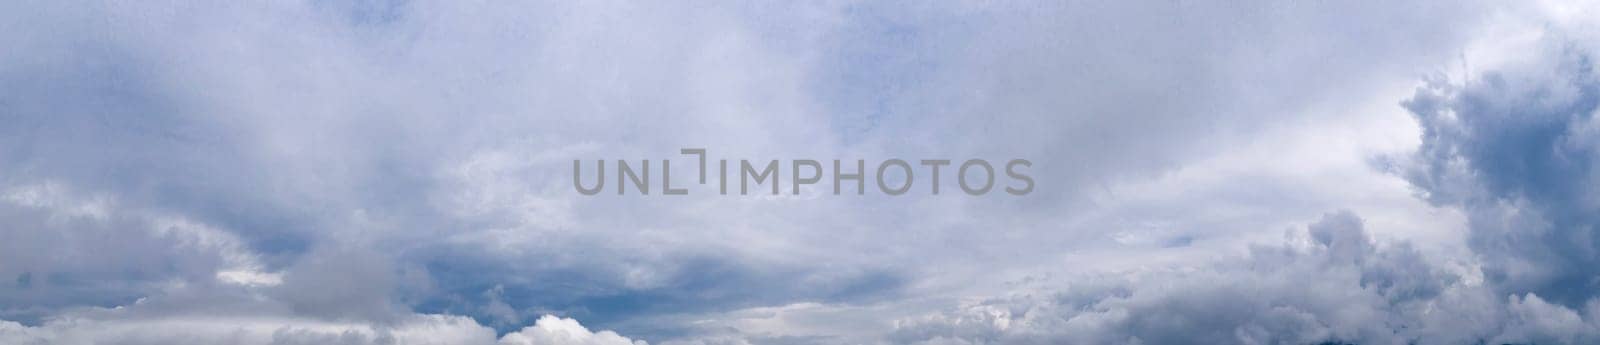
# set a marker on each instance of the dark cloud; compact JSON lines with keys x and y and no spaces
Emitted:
{"x":1517,"y":150}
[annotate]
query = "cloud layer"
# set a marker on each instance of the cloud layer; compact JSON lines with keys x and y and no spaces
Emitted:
{"x":397,"y":172}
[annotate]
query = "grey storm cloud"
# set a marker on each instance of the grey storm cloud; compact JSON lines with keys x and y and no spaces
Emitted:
{"x":1518,"y":150}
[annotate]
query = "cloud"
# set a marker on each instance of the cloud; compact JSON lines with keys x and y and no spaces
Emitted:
{"x":364,"y":171}
{"x":1516,"y":149}
{"x":1328,"y":283}
{"x":111,"y":328}
{"x":1513,"y":149}
{"x":133,"y":325}
{"x":64,"y":247}
{"x":240,"y":329}
{"x":554,"y":330}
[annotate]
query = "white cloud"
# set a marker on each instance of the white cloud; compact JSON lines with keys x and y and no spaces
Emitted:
{"x":553,"y":330}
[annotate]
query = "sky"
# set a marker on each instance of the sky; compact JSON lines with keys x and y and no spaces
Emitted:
{"x":400,"y":172}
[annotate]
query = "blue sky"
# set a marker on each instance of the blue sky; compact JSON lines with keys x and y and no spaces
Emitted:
{"x":377,"y":172}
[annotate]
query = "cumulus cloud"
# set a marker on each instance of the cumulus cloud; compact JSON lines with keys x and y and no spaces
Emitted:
{"x":555,"y":330}
{"x":1329,"y":283}
{"x":1517,"y":150}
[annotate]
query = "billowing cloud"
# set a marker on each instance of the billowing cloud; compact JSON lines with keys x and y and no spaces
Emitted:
{"x":1518,"y":150}
{"x":1329,"y":283}
{"x":555,"y":330}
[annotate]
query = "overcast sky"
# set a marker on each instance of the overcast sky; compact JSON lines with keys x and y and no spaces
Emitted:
{"x":399,"y":172}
